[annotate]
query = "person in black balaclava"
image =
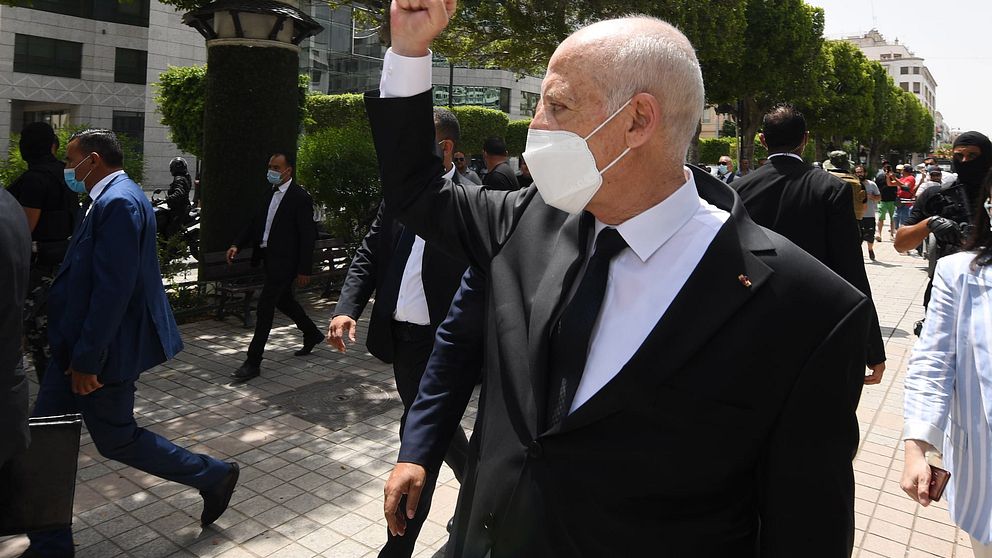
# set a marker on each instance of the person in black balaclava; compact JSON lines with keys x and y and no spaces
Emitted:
{"x":51,"y":209}
{"x":949,"y":211}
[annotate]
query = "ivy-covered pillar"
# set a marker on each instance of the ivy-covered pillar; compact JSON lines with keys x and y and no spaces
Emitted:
{"x":251,"y":108}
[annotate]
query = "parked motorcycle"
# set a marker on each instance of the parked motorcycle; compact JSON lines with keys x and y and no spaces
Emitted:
{"x":188,"y":230}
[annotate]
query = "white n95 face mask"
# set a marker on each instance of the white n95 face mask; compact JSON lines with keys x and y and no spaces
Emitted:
{"x":563,"y":167}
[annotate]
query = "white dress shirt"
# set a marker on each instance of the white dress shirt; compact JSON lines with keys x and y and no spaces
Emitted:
{"x":273,"y":207}
{"x":411,"y":304}
{"x":100,"y":186}
{"x":665,"y":243}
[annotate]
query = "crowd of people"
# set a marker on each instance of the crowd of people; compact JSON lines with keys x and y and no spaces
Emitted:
{"x":572,"y":292}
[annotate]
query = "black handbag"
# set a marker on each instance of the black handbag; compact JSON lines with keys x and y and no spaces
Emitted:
{"x":37,"y":486}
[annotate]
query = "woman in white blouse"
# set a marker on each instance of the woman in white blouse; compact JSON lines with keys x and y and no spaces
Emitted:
{"x":948,"y":403}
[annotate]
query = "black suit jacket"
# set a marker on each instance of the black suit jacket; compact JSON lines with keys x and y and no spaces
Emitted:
{"x":289,"y":250}
{"x":501,"y":178}
{"x":705,"y":444}
{"x":812,"y":208}
{"x":15,"y":259}
{"x":377,"y":268}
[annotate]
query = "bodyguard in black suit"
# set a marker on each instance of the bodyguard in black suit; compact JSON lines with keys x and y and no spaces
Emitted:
{"x":414,"y":283}
{"x":282,"y":235}
{"x":15,"y":261}
{"x":500,"y":175}
{"x":812,"y":209}
{"x":706,"y":441}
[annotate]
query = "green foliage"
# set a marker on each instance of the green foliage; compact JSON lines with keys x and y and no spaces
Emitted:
{"x":710,"y":150}
{"x":335,"y":111}
{"x":13,"y":166}
{"x":338,"y":166}
{"x":477,"y":124}
{"x":839,"y":105}
{"x":180,"y":92}
{"x":729,"y":129}
{"x":516,"y":136}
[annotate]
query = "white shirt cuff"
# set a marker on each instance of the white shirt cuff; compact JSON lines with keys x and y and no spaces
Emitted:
{"x":922,"y":430}
{"x":403,"y":76}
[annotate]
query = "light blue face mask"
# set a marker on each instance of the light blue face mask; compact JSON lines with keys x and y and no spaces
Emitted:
{"x":274,"y":177}
{"x":78,"y":186}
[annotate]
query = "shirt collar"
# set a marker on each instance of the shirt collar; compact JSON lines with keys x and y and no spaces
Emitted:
{"x":284,"y":186}
{"x":98,"y":189}
{"x":651,"y":229}
{"x":451,"y":173}
{"x":793,"y":155}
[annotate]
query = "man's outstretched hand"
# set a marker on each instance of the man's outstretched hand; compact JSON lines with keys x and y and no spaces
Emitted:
{"x":407,"y":479}
{"x":415,"y":23}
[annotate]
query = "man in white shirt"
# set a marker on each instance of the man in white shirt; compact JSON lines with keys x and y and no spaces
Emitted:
{"x":649,"y":387}
{"x":414,"y":283}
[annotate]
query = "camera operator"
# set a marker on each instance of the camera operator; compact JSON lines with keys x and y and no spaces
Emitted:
{"x":948,"y":211}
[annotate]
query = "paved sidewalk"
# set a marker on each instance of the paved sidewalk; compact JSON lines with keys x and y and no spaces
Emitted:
{"x":316,"y":437}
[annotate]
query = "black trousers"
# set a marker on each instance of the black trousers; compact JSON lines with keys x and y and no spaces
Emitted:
{"x":412,"y":349}
{"x":277,"y":292}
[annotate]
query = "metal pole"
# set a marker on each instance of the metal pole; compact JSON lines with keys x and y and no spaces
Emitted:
{"x":451,"y":86}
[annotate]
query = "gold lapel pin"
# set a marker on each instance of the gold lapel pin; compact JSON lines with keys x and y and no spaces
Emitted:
{"x":745,"y":280}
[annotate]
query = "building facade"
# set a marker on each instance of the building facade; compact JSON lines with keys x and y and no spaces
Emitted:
{"x":93,"y":62}
{"x":908,"y":70}
{"x":346,"y":57}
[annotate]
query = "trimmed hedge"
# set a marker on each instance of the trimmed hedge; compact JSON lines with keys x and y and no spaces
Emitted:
{"x":710,"y":150}
{"x":335,"y":111}
{"x":477,"y":124}
{"x":338,"y":166}
{"x":516,"y":136}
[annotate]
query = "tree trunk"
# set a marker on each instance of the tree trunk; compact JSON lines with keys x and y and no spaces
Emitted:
{"x":251,"y":112}
{"x":692,"y":156}
{"x":748,"y":123}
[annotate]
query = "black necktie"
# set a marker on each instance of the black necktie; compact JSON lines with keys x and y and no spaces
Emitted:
{"x":570,"y":339}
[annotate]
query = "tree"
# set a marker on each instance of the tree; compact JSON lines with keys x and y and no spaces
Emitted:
{"x":884,"y":113}
{"x":180,"y":92}
{"x":781,"y":45}
{"x":840,"y":103}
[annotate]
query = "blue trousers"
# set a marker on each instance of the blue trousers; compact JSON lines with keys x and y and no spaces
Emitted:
{"x":109,"y":416}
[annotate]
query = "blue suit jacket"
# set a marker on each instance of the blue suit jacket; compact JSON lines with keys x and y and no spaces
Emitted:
{"x":108,"y":313}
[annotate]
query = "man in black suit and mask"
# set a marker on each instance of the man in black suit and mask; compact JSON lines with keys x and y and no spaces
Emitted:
{"x":810,"y":208}
{"x":282,"y":235}
{"x":649,"y":387}
{"x":414,"y":283}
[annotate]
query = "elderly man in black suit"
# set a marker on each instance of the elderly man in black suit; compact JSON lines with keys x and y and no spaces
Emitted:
{"x":414,"y":283}
{"x":649,"y":387}
{"x":282,"y":234}
{"x":810,"y":208}
{"x":15,"y":261}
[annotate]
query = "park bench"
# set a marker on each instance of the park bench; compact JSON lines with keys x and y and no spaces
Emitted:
{"x":236,"y":284}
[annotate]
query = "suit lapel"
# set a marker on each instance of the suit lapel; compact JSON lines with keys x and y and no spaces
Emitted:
{"x":566,"y":260}
{"x":727,"y":276}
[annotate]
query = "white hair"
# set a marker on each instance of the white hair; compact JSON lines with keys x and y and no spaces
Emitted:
{"x":652,"y":56}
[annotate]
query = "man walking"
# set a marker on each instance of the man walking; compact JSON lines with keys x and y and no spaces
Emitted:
{"x":868,"y":221}
{"x":594,"y":273}
{"x":282,"y":235}
{"x":812,"y":209}
{"x":110,"y":320}
{"x":51,"y":210}
{"x":414,"y":283}
{"x":464,"y":171}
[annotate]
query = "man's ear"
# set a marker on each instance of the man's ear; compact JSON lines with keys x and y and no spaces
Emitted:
{"x":647,"y":116}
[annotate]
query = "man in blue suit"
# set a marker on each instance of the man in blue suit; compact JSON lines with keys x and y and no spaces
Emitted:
{"x":109,"y":320}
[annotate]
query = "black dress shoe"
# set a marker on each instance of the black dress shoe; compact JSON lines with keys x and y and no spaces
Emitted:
{"x":451,"y":524}
{"x":216,"y":499}
{"x":246,"y":372}
{"x":308,"y":345}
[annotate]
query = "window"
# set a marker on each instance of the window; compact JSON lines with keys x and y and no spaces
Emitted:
{"x":916,"y":70}
{"x":132,"y":126}
{"x":131,"y":12}
{"x":49,"y":57}
{"x":904,"y":85}
{"x":130,"y":66}
{"x":529,"y":102}
{"x":886,"y":56}
{"x":896,"y":56}
{"x":916,"y":88}
{"x":55,"y":119}
{"x":904,"y":70}
{"x":473,"y":95}
{"x":706,"y":116}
